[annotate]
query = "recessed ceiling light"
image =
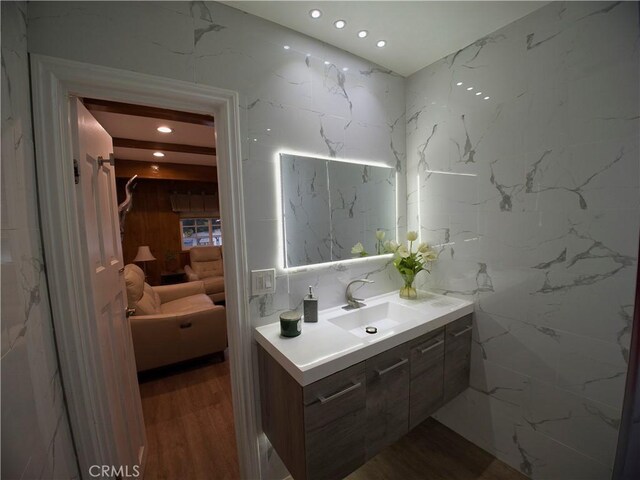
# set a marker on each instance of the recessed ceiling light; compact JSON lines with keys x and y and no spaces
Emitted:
{"x":164,"y":129}
{"x":158,"y":154}
{"x":327,"y":62}
{"x":459,"y":83}
{"x":344,"y":69}
{"x":340,"y":24}
{"x":268,"y":129}
{"x":487,"y":98}
{"x":469,"y":88}
{"x":362,"y":33}
{"x":381,"y":43}
{"x":315,"y":13}
{"x":286,"y":47}
{"x":478,"y":93}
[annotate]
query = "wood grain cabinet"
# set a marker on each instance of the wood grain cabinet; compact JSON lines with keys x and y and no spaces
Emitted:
{"x":326,"y":430}
{"x":457,"y":357}
{"x":387,"y":398}
{"x":427,"y":376}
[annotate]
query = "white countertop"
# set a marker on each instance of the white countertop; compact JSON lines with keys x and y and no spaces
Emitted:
{"x":324,"y":348}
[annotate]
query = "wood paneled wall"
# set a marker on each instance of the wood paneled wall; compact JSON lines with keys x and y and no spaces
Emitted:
{"x":152,"y":222}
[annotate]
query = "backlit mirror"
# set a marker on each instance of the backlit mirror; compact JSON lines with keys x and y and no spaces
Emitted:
{"x":328,"y":206}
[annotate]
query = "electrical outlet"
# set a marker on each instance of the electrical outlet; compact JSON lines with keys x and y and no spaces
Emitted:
{"x":263,"y":281}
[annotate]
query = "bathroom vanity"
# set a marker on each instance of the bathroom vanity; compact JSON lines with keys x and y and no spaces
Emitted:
{"x":336,"y":395}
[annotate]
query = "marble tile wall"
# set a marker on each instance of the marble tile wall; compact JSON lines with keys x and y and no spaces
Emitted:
{"x":290,"y":99}
{"x":531,"y":197}
{"x":36,"y":441}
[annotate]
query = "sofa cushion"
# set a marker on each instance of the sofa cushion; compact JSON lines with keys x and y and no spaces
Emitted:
{"x":140,"y":295}
{"x":206,"y":261}
{"x":213,"y":284}
{"x":187,"y":304}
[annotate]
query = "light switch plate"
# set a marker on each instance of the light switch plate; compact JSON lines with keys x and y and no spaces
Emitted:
{"x":263,"y":281}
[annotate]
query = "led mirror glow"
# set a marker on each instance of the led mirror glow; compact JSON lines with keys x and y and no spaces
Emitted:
{"x":329,"y":205}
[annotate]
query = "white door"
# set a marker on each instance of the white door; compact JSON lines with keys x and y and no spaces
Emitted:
{"x":98,"y":214}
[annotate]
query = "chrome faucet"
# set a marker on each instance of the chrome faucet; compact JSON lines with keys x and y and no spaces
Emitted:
{"x":354,"y":302}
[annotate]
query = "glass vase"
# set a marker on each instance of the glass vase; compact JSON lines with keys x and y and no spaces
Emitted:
{"x":408,"y":291}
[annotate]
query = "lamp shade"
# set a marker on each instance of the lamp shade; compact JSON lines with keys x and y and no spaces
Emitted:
{"x":144,"y":254}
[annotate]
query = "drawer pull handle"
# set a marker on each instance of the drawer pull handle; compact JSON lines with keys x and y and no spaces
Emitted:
{"x":185,"y":325}
{"x":431,"y":347}
{"x":463,"y":331}
{"x":339,"y":394}
{"x":392,"y":367}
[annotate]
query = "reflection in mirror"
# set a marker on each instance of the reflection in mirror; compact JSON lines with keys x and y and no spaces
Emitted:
{"x":328,"y":206}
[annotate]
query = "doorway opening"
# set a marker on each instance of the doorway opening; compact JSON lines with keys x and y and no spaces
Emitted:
{"x":87,"y":366}
{"x":170,"y":225}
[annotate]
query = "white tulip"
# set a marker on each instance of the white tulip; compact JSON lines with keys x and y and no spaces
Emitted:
{"x":380,"y":235}
{"x":391,"y":246}
{"x":402,"y":251}
{"x":412,"y":236}
{"x":357,"y":249}
{"x":423,"y":248}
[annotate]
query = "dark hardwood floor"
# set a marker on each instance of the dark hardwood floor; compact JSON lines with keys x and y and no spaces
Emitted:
{"x":432,"y":451}
{"x":188,"y":416}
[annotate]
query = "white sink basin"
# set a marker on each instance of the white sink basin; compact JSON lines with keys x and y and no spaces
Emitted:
{"x":384,"y":317}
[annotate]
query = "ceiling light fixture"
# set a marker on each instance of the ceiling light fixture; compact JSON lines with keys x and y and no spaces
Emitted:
{"x":315,"y":13}
{"x":459,"y":83}
{"x":286,"y":47}
{"x":469,"y":88}
{"x":158,"y":154}
{"x":344,"y":69}
{"x":164,"y":129}
{"x":339,"y":24}
{"x":327,"y":62}
{"x":478,"y":93}
{"x":381,"y":43}
{"x":362,"y":33}
{"x":487,"y":98}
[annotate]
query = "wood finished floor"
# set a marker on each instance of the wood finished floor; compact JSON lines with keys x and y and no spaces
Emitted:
{"x":188,"y":416}
{"x":434,"y":452}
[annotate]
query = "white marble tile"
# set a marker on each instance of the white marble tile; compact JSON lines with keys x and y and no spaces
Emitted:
{"x":543,"y":236}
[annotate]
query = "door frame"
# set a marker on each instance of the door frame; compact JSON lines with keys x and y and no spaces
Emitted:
{"x":53,"y":81}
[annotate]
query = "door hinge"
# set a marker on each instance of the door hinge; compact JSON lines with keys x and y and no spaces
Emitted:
{"x":109,"y":161}
{"x":76,"y":172}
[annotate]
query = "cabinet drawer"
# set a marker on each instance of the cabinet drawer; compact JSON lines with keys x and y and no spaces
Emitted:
{"x":335,"y":396}
{"x":457,"y":361}
{"x":334,"y":420}
{"x":388,"y":376}
{"x":427,"y":376}
{"x":426,"y":349}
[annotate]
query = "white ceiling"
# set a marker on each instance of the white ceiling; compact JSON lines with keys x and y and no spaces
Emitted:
{"x":418,"y":33}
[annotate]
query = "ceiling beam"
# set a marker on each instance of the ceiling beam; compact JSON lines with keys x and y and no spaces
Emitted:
{"x":167,"y":147}
{"x":150,"y":112}
{"x":165,"y":171}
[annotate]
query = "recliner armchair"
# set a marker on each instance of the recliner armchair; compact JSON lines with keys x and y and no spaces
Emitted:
{"x":172,"y":323}
{"x":206,"y":265}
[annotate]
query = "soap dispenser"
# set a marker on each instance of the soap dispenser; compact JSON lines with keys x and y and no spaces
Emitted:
{"x":310,"y":307}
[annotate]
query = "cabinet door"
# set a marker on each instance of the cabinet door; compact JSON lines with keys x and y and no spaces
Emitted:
{"x":387,"y":398}
{"x":427,"y":376}
{"x":457,"y":357}
{"x":334,"y":419}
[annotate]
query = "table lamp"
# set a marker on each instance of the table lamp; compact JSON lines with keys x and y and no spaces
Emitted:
{"x":144,"y":255}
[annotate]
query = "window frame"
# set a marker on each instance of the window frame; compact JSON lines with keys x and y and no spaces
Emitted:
{"x":213,"y":224}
